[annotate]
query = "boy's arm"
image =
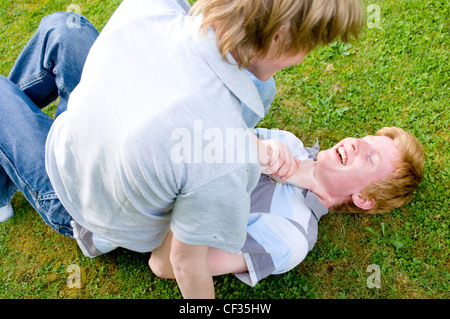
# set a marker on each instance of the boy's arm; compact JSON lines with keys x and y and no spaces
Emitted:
{"x":275,"y":158}
{"x":187,"y":264}
{"x":190,"y":267}
{"x":220,"y":262}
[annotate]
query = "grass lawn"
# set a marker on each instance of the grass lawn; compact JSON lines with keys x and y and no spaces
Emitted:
{"x":398,"y":74}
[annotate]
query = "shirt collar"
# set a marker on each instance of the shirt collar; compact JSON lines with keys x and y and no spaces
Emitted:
{"x":311,"y":199}
{"x":235,"y":79}
{"x":316,"y":206}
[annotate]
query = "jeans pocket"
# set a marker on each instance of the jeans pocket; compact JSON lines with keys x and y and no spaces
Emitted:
{"x":55,"y":214}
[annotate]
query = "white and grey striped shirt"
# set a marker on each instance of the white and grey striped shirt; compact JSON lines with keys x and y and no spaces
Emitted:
{"x":283,"y":222}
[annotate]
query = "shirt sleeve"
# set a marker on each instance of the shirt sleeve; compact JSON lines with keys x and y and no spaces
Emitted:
{"x":274,"y":245}
{"x":216,"y":213}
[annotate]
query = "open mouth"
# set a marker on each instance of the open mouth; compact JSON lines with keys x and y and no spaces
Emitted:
{"x":343,"y":154}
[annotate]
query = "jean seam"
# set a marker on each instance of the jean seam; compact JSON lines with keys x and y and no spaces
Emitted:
{"x":61,"y":83}
{"x":34,"y":78}
{"x":32,"y":194}
{"x":48,"y":196}
{"x":25,"y":185}
{"x":51,"y":214}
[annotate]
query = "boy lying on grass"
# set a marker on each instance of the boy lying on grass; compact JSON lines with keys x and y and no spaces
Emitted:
{"x":374,"y":174}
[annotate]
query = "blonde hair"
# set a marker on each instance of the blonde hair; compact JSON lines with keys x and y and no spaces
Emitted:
{"x":396,"y":189}
{"x":246,"y":28}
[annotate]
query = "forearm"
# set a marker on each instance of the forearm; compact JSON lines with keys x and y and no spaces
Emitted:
{"x":195,"y":283}
{"x":191,"y":270}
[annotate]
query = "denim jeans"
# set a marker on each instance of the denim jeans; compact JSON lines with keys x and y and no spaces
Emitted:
{"x":49,"y":67}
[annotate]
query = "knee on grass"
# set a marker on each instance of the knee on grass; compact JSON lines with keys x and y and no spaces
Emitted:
{"x":160,"y":268}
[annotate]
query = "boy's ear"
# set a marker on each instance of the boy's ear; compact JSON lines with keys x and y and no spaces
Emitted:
{"x":280,"y":33}
{"x":363,"y":203}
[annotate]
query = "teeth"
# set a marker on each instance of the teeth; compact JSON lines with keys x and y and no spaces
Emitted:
{"x":341,"y":152}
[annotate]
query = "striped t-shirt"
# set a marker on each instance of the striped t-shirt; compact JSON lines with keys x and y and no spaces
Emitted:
{"x":282,"y":226}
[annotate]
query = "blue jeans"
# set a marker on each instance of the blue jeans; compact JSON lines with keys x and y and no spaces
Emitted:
{"x":49,"y":67}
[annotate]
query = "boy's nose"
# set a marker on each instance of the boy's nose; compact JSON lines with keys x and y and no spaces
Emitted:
{"x":361,"y":145}
{"x":354,"y":145}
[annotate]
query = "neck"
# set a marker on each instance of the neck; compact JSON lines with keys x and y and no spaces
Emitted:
{"x":335,"y":199}
{"x":305,"y":177}
{"x":259,"y":70}
{"x":331,"y":203}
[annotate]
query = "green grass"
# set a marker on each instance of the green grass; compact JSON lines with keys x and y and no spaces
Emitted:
{"x":395,"y":75}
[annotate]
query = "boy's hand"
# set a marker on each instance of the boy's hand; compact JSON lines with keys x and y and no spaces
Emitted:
{"x":276,"y":159}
